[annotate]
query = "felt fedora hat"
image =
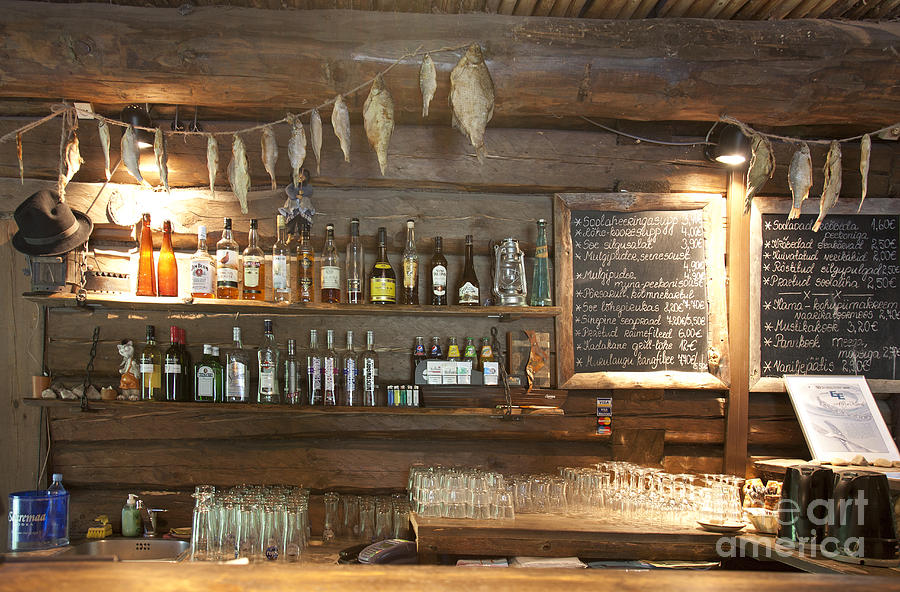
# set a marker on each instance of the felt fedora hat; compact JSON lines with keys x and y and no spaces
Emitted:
{"x":47,"y":226}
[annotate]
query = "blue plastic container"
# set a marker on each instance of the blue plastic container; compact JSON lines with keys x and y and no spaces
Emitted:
{"x":38,"y":520}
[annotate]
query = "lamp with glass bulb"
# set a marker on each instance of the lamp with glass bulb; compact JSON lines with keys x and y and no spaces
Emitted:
{"x":139,"y":117}
{"x":728,"y":146}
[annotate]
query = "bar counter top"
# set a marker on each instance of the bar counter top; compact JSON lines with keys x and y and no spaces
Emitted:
{"x":135,"y":577}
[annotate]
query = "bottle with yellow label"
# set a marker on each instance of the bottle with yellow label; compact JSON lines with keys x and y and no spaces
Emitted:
{"x":254,"y":262}
{"x":382,"y":281}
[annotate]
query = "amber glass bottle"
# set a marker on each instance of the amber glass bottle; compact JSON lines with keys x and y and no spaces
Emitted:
{"x":254,"y":261}
{"x":146,"y":283}
{"x":167,"y":268}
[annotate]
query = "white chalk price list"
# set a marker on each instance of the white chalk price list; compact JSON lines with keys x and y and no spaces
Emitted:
{"x":639,"y":300}
{"x":830,"y":300}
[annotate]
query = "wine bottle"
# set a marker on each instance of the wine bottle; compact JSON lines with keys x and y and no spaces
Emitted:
{"x":468,"y":293}
{"x":329,"y":269}
{"x":438,"y":276}
{"x":151,"y":368}
{"x":167,"y":268}
{"x":146,"y":282}
{"x":382,"y":281}
{"x":172,"y":377}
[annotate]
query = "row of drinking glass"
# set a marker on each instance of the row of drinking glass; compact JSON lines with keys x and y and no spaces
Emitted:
{"x":616,"y":489}
{"x":365,"y":518}
{"x":257,"y":522}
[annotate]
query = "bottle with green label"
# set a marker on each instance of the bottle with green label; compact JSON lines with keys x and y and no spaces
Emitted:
{"x":209,"y":376}
{"x":382,"y":281}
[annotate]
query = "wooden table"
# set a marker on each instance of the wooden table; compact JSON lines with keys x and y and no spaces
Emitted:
{"x":560,"y":536}
{"x":776,"y":467}
{"x":197,"y":577}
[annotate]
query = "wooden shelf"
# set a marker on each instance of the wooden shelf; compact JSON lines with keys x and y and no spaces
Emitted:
{"x":250,"y":307}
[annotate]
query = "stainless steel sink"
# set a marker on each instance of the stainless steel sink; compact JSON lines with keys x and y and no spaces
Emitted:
{"x":165,"y":550}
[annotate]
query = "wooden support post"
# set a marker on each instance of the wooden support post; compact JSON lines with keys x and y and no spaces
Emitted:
{"x":737,"y":421}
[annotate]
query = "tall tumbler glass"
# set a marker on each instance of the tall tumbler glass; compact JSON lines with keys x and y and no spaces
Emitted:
{"x":366,"y":518}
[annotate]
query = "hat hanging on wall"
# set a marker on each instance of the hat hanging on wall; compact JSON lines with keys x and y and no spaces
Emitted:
{"x":47,"y":226}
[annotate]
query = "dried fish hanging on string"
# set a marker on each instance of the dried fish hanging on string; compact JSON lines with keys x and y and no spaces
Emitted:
{"x":427,"y":82}
{"x":162,"y":157}
{"x":799,"y":179}
{"x":103,"y":132}
{"x":340,"y":121}
{"x":832,"y":187}
{"x":296,"y":148}
{"x":131,"y":155}
{"x":73,"y":162}
{"x":239,"y":172}
{"x":865,"y":153}
{"x":472,"y":98}
{"x":269,"y":146}
{"x":315,"y":131}
{"x":212,"y":161}
{"x":762,"y":167}
{"x":378,"y":117}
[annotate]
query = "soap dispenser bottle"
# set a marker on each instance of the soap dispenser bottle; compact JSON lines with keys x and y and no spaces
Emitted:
{"x":131,"y":517}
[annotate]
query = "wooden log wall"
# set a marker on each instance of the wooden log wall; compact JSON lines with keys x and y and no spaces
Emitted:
{"x":162,"y":450}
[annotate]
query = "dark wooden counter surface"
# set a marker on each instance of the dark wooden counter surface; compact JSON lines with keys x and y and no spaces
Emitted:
{"x":136,"y":577}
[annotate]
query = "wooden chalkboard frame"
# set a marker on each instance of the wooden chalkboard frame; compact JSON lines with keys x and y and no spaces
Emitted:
{"x":713,"y":206}
{"x":776,"y":205}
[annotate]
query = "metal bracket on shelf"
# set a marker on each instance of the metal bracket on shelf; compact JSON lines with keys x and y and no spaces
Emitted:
{"x":505,"y":317}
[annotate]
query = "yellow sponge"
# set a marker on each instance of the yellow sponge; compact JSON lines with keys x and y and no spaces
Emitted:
{"x":101,"y":528}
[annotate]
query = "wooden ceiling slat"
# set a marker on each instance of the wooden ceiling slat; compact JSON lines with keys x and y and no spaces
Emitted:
{"x":717,"y":7}
{"x":732,"y":9}
{"x":778,"y":9}
{"x":802,"y":9}
{"x":820,"y":8}
{"x":524,"y":7}
{"x":576,"y":7}
{"x":840,"y":9}
{"x":544,"y":7}
{"x":561,"y":8}
{"x":748,"y":12}
{"x":698,"y":8}
{"x":888,"y":9}
{"x":628,"y":9}
{"x":492,"y":6}
{"x":677,"y":9}
{"x":507,"y":7}
{"x":861,"y":8}
{"x":644,"y":9}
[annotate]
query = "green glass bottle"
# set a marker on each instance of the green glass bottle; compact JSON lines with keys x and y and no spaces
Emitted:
{"x":209,"y":376}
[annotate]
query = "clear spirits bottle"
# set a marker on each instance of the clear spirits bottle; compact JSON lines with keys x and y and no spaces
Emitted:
{"x":293,"y":376}
{"x":314,"y":369}
{"x":330,"y":371}
{"x":203,"y":269}
{"x":268,"y":355}
{"x":350,"y":370}
{"x":540,"y":284}
{"x":151,"y":368}
{"x":237,"y":371}
{"x":281,"y":270}
{"x":254,"y":262}
{"x":329,"y":269}
{"x":209,"y":376}
{"x":409,"y":293}
{"x":354,"y":273}
{"x":368,"y":365}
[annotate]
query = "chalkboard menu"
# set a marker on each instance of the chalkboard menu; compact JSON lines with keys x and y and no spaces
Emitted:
{"x":639,"y":300}
{"x":830,"y":300}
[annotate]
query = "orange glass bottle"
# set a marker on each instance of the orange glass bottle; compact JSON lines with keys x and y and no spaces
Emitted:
{"x":146,"y":283}
{"x":167,"y":268}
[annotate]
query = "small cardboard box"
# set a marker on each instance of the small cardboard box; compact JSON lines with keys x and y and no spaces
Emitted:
{"x":491,"y":373}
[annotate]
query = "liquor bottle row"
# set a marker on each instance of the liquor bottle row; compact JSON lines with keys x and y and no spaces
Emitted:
{"x":313,"y":377}
{"x":230,"y":275}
